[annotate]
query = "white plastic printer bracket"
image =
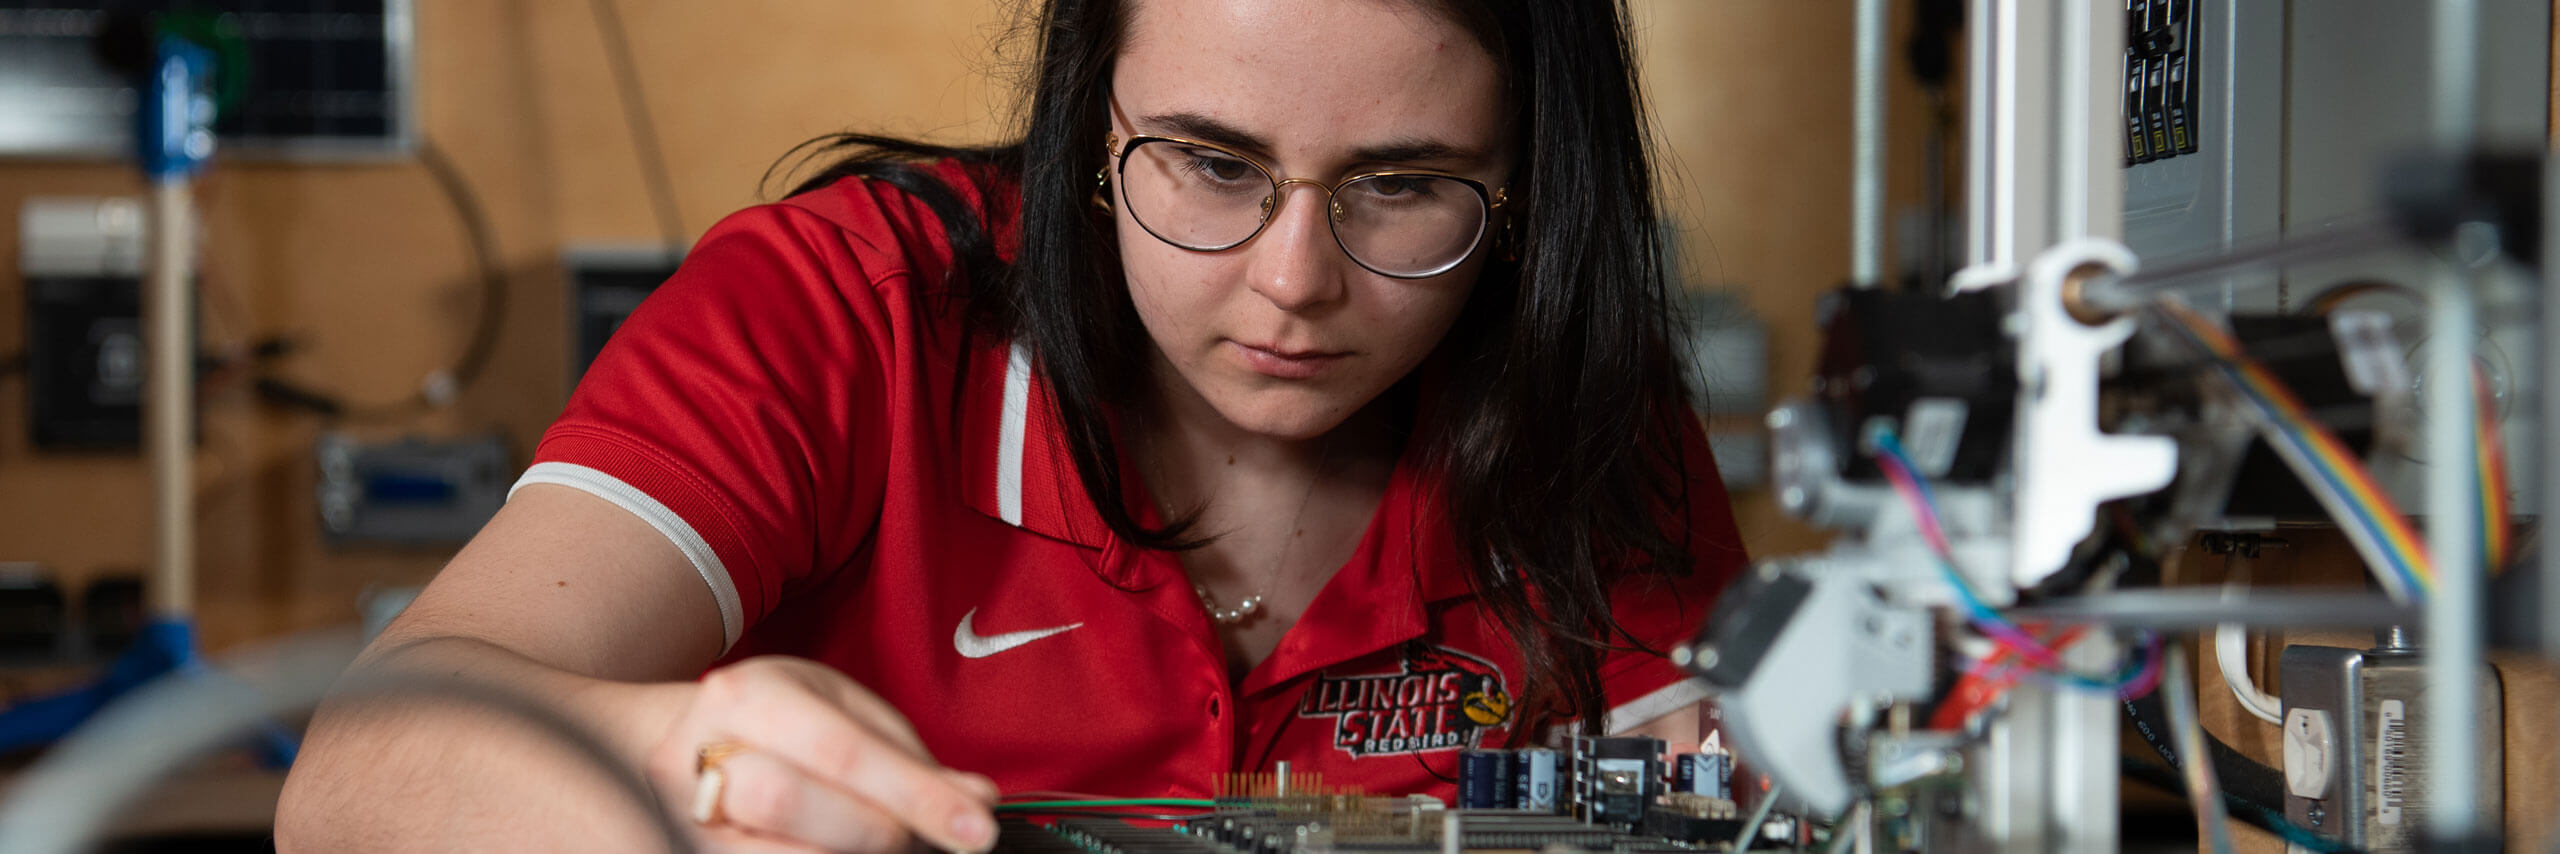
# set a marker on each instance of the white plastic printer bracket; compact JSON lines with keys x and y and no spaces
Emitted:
{"x":2064,"y":466}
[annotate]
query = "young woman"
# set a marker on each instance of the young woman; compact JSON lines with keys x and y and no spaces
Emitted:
{"x":1300,"y":387}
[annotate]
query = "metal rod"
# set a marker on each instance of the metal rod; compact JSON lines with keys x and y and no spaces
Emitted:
{"x":2454,"y":631}
{"x":2544,"y":456}
{"x":2178,"y":692}
{"x":2071,"y":106}
{"x":2456,"y":74}
{"x":1751,"y":829}
{"x":2001,"y":28}
{"x":2455,"y":644}
{"x":1866,"y":190}
{"x":169,"y":420}
{"x":2202,"y":609}
{"x":2453,"y":521}
{"x":1982,"y":131}
{"x":1851,"y":833}
{"x":2547,"y":387}
{"x":2209,"y":275}
{"x":2226,"y":123}
{"x":2079,"y":739}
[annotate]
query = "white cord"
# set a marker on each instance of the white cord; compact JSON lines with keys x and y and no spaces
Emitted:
{"x":1751,"y":829}
{"x":68,"y":800}
{"x":1850,"y":832}
{"x":2231,"y":650}
{"x":2231,"y":653}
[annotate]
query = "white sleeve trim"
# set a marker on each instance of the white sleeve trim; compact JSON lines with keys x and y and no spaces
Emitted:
{"x":1017,"y":413}
{"x":724,"y":592}
{"x":1643,"y":710}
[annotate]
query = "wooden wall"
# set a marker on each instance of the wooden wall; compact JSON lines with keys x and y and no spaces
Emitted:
{"x":369,"y":268}
{"x":1751,"y":106}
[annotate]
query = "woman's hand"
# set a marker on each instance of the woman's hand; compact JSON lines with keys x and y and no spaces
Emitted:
{"x":821,"y":764}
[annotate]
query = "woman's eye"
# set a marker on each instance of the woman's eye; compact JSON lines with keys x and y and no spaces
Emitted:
{"x":1401,"y":187}
{"x":1219,"y":168}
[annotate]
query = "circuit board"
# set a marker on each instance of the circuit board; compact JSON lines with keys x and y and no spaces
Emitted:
{"x":1247,"y":833}
{"x":1616,"y":809}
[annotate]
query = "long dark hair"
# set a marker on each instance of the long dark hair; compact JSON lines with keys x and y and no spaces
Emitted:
{"x":1575,"y":317}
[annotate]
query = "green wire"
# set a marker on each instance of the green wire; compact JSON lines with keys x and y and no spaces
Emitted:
{"x":1024,"y":806}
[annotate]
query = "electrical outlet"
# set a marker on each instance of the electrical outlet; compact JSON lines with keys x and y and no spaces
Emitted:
{"x":412,"y":492}
{"x":2355,"y":751}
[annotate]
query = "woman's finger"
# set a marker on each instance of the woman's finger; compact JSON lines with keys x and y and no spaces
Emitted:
{"x":767,"y":796}
{"x":730,"y":840}
{"x":977,"y":784}
{"x":881,"y":718}
{"x":821,"y":738}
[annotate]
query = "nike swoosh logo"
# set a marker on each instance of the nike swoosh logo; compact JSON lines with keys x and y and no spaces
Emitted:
{"x":974,"y":645}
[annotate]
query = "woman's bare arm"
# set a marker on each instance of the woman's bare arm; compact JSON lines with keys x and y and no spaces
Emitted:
{"x":563,"y":596}
{"x":567,"y":598}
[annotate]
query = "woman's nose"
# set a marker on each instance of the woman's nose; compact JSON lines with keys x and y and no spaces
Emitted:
{"x":1296,"y":263}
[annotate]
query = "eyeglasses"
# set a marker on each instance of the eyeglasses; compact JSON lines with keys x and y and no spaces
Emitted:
{"x":1403,"y":223}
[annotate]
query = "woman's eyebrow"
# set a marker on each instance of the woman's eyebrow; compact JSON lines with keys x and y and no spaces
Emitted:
{"x":1206,"y":129}
{"x":1413,"y":149}
{"x":1397,"y":150}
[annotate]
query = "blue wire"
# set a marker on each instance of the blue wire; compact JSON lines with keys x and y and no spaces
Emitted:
{"x":1982,"y":615}
{"x":1891,"y":449}
{"x":1891,"y":446}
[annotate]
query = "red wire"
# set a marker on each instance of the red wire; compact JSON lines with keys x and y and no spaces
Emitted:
{"x":1988,"y":679}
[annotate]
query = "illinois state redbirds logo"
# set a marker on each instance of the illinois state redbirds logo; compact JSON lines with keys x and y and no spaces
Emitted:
{"x":1436,"y":699}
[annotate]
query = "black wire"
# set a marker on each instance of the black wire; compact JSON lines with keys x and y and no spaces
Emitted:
{"x":483,"y":343}
{"x":1434,"y":772}
{"x":477,"y":350}
{"x":2253,"y":791}
{"x":2243,"y":777}
{"x":644,"y":134}
{"x":2257,"y":815}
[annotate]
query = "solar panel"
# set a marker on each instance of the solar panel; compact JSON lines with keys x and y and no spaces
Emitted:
{"x":318,"y":79}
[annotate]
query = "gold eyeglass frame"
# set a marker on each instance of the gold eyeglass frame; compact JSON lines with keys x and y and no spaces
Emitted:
{"x":1492,"y":199}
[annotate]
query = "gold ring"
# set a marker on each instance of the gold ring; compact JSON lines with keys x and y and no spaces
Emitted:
{"x":709,"y":756}
{"x":709,"y":781}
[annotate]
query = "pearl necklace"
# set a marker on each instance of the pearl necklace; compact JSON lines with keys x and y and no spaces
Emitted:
{"x":1252,"y":604}
{"x":1231,"y":616}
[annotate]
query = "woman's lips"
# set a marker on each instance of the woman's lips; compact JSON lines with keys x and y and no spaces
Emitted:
{"x":1286,"y":364}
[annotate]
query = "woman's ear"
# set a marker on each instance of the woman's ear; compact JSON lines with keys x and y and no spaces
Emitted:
{"x":1506,"y":243}
{"x":1102,"y":176}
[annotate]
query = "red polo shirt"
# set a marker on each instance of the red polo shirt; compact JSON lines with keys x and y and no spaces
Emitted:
{"x":859,"y":483}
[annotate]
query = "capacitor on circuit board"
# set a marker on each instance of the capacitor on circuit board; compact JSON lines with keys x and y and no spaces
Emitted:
{"x":1533,"y":783}
{"x":1484,"y":780}
{"x":1709,"y":774}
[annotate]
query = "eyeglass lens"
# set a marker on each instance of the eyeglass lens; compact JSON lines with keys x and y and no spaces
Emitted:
{"x":1207,"y":200}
